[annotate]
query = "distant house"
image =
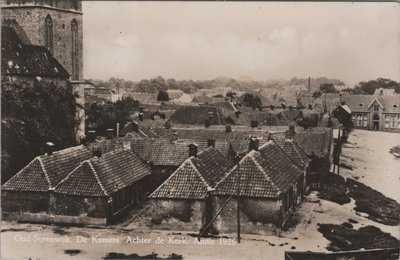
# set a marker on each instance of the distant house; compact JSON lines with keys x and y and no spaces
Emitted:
{"x":197,"y":115}
{"x":296,"y":154}
{"x":375,"y":112}
{"x":165,"y":155}
{"x":27,"y":195}
{"x":290,"y":115}
{"x":101,"y":189}
{"x":186,"y":195}
{"x":268,"y":185}
{"x":317,"y":145}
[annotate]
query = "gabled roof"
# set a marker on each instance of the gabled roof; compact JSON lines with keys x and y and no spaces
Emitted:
{"x":195,"y":177}
{"x":105,"y":175}
{"x":313,"y":143}
{"x":164,"y":152}
{"x":290,"y":115}
{"x":292,"y":149}
{"x":263,"y":174}
{"x":18,"y":58}
{"x":363,"y":103}
{"x":196,"y":115}
{"x":46,"y":171}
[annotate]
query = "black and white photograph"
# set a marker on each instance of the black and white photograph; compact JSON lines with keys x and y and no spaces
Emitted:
{"x":200,"y":130}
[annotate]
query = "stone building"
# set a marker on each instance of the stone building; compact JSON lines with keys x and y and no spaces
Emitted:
{"x":268,"y":185}
{"x":43,"y":40}
{"x":187,"y":195}
{"x":379,"y":111}
{"x":57,"y":25}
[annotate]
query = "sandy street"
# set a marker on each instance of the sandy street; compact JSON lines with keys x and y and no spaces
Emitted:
{"x":368,"y":153}
{"x":372,"y":164}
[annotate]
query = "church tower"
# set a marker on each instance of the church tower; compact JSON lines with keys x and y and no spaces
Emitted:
{"x":55,"y":24}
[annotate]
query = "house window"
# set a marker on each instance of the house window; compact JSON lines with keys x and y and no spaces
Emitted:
{"x":48,"y":33}
{"x":398,"y":121}
{"x":376,"y":107}
{"x":393,"y":122}
{"x":359,"y":120}
{"x":74,"y":50}
{"x":365,"y":119}
{"x":386,"y":121}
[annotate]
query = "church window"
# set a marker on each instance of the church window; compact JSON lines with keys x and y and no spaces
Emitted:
{"x":49,"y":33}
{"x":74,"y":50}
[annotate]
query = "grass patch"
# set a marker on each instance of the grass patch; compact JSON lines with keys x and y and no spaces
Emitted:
{"x":113,"y":255}
{"x":344,"y":239}
{"x":60,"y":231}
{"x":333,"y":188}
{"x":72,"y":252}
{"x":379,"y":207}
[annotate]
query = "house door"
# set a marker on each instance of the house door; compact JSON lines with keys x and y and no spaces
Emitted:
{"x":375,"y":120}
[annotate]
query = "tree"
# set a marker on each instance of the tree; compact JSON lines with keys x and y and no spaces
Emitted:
{"x":253,"y":101}
{"x":33,"y":114}
{"x":107,"y":115}
{"x":369,"y":87}
{"x":162,"y":96}
{"x":328,"y":88}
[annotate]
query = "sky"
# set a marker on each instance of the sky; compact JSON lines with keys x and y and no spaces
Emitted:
{"x":268,"y":40}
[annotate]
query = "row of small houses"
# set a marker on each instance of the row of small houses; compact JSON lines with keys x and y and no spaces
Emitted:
{"x":185,"y":179}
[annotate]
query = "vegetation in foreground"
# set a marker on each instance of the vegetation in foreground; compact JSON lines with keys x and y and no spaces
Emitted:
{"x":344,"y":238}
{"x":378,"y":207}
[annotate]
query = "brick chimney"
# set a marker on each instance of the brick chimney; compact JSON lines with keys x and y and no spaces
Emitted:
{"x":49,"y":148}
{"x":141,"y":116}
{"x":290,"y":133}
{"x":211,"y":142}
{"x":110,"y":133}
{"x":253,"y":144}
{"x":96,"y":152}
{"x":174,"y":137}
{"x":193,"y":149}
{"x":91,"y":135}
{"x":135,"y":126}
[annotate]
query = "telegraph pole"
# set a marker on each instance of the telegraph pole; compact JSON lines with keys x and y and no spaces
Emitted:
{"x":237,"y":199}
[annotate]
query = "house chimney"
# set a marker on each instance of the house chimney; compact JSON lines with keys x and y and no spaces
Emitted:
{"x":210,"y":116}
{"x":253,"y":145}
{"x":193,"y":150}
{"x":309,"y":84}
{"x":228,"y":128}
{"x":174,"y":137}
{"x":96,"y":152}
{"x":126,"y":145}
{"x":91,"y":134}
{"x":290,"y":133}
{"x":237,"y":113}
{"x":110,"y":133}
{"x":211,"y":142}
{"x":49,"y":148}
{"x":135,"y":126}
{"x":141,"y":116}
{"x":254,"y":123}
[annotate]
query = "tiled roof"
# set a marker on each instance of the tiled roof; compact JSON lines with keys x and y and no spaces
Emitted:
{"x":292,"y":149}
{"x":362,"y":103}
{"x":290,"y":115}
{"x":105,"y":175}
{"x":313,"y":142}
{"x":263,"y":174}
{"x":28,"y":60}
{"x":196,"y":115}
{"x":46,"y":171}
{"x":195,"y":176}
{"x":141,"y":97}
{"x":164,"y":152}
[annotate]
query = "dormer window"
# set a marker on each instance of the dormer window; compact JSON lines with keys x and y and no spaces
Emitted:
{"x":376,"y":107}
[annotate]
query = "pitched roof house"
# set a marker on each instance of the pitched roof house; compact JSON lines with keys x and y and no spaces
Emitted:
{"x":197,"y":115}
{"x":45,"y":171}
{"x":186,"y":195}
{"x":268,"y":184}
{"x":195,"y":177}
